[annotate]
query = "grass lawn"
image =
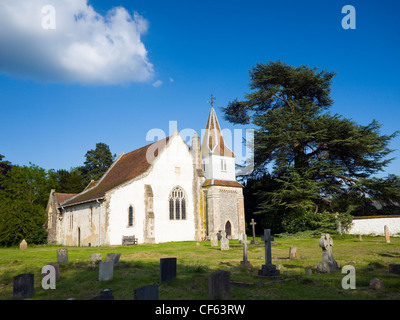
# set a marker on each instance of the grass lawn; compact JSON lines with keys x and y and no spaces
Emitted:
{"x":139,"y":265}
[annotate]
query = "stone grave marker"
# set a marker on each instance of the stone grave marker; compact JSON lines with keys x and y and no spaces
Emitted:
{"x":167,"y":269}
{"x":113,"y":257}
{"x":62,"y":255}
{"x":387,"y":236}
{"x":23,"y":245}
{"x":213,"y":239}
{"x":219,"y":285}
{"x":23,"y":286}
{"x":293,"y":253}
{"x":268,"y":269}
{"x":147,"y":292}
{"x":95,"y":257}
{"x":57,"y":269}
{"x":394,"y":268}
{"x":106,"y":270}
{"x":224,"y":241}
{"x":245,"y":262}
{"x":328,"y":263}
{"x":253,"y":224}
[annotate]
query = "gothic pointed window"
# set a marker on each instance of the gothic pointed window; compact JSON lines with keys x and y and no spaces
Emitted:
{"x":177,"y":204}
{"x":130,"y":216}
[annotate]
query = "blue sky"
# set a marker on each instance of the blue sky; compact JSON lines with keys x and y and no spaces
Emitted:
{"x":55,"y":105}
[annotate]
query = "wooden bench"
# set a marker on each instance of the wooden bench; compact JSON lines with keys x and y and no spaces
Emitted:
{"x":129,"y":240}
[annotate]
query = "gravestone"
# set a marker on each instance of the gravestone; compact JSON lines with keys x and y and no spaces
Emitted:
{"x":245,"y":262}
{"x":95,"y":257}
{"x":213,"y":239}
{"x":113,"y":257}
{"x":376,"y":284}
{"x":242,"y":237}
{"x":148,"y":292}
{"x":328,"y":263}
{"x":219,"y":285}
{"x":106,"y":270}
{"x":252,"y":223}
{"x":360,"y":237}
{"x":167,"y":269}
{"x":57,"y":268}
{"x":394,"y":268}
{"x":224,"y":241}
{"x":293,"y":253}
{"x":23,"y":286}
{"x":387,"y":236}
{"x":268,"y":269}
{"x":308,"y":271}
{"x":23,"y":245}
{"x":105,"y":294}
{"x":62,"y":255}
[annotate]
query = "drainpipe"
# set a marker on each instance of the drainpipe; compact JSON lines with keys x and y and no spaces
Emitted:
{"x":97,"y":200}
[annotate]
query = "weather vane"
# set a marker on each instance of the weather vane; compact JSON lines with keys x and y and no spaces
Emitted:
{"x":211,"y":101}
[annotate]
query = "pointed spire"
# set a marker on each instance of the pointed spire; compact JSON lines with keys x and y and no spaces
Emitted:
{"x":213,"y":141}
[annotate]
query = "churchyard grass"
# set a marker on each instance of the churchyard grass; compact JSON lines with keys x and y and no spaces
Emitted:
{"x":140,"y":265}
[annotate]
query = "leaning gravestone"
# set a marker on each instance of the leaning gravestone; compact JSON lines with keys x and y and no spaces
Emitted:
{"x":95,"y":257}
{"x":219,"y":285}
{"x":328,"y":263}
{"x":245,"y":262}
{"x":106,"y":270}
{"x":23,"y":286}
{"x":213,"y":239}
{"x":113,"y":257}
{"x":167,"y":269}
{"x":268,"y":269}
{"x":62,"y":255}
{"x":23,"y":245}
{"x":148,"y":292}
{"x":224,"y":241}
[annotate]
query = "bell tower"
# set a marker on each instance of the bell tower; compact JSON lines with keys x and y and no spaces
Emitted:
{"x":224,"y":195}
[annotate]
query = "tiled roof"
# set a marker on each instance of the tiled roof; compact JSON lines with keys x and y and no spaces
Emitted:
{"x":213,"y":141}
{"x":128,"y":166}
{"x":61,"y":197}
{"x":222,"y":183}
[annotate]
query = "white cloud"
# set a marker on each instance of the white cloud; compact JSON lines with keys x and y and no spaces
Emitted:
{"x":157,"y":83}
{"x":84,"y":47}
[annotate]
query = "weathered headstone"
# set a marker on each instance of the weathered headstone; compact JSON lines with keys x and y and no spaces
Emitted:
{"x":167,"y":269}
{"x":394,"y":268}
{"x":245,"y":262}
{"x":62,"y":255}
{"x":213,"y":239}
{"x":293,"y":253}
{"x":23,"y":245}
{"x":23,"y":286}
{"x":105,"y":294}
{"x":113,"y":257}
{"x":328,"y":263}
{"x":57,"y":268}
{"x":308,"y":271}
{"x":95,"y":257}
{"x":376,"y":284}
{"x":387,"y":236}
{"x":253,"y":224}
{"x":224,"y":241}
{"x":148,"y":292}
{"x":106,"y":270}
{"x":219,"y":285}
{"x":268,"y":269}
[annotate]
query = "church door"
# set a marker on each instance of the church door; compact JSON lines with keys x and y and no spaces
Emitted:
{"x":228,"y":229}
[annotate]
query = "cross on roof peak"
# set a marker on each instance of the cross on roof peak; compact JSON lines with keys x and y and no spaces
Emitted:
{"x":211,"y":101}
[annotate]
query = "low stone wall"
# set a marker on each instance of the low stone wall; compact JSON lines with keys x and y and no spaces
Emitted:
{"x":375,"y":225}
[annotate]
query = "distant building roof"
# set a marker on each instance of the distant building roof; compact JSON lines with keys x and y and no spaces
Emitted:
{"x":127,"y":166}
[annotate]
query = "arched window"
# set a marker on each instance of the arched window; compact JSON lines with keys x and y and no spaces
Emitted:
{"x":130,"y":216}
{"x":177,"y":204}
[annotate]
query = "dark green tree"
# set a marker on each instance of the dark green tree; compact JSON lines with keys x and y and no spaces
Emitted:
{"x":68,"y":181}
{"x":97,"y":162}
{"x":317,"y":158}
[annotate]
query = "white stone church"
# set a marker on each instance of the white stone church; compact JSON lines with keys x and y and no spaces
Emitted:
{"x":165,"y":191}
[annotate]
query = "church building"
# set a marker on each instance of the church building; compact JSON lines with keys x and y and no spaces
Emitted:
{"x":165,"y":191}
